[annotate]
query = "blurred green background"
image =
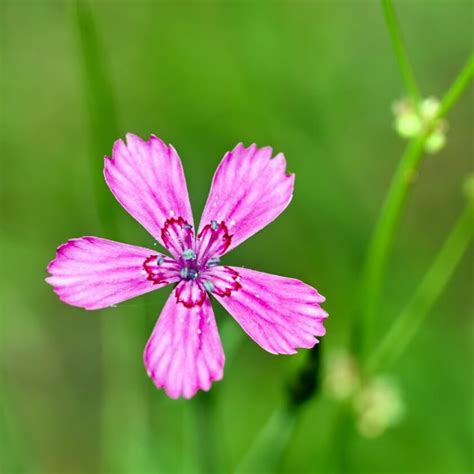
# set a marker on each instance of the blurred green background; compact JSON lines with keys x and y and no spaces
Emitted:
{"x":314,"y":79}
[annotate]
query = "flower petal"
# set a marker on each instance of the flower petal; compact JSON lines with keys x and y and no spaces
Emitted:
{"x":213,"y":241}
{"x":94,"y":273}
{"x":280,"y":314}
{"x":249,"y":190}
{"x":178,"y":236}
{"x":221,"y":280}
{"x":184,"y":353}
{"x":147,"y":178}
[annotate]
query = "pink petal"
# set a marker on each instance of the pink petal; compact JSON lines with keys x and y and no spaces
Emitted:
{"x":212,"y":241}
{"x":249,"y":190}
{"x":94,"y":273}
{"x":222,"y":281}
{"x":178,"y":236}
{"x":279,"y":314}
{"x":147,"y":178}
{"x":184,"y":353}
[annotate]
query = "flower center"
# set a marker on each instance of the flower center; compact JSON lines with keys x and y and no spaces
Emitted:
{"x":189,"y":273}
{"x":190,"y":268}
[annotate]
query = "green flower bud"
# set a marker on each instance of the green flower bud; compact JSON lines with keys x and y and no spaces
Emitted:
{"x":435,"y":141}
{"x":378,"y":406}
{"x":407,"y":121}
{"x":429,"y":108}
{"x":408,"y":124}
{"x":342,"y":379}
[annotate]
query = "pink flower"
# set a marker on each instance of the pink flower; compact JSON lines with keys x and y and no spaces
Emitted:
{"x":249,"y":190}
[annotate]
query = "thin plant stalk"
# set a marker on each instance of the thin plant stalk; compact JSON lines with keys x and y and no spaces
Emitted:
{"x":383,"y":238}
{"x":266,"y":452}
{"x":335,"y":459}
{"x":100,"y":104}
{"x":118,"y":453}
{"x":411,"y":318}
{"x":207,"y":454}
{"x":101,"y":109}
{"x":404,"y":65}
{"x":16,"y":453}
{"x":387,"y":225}
{"x":459,"y":85}
{"x":208,"y":458}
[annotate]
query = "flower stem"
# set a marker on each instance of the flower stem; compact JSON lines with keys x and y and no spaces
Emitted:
{"x":101,"y":110}
{"x":206,"y":444}
{"x":99,"y":106}
{"x":337,"y":444}
{"x":265,"y":454}
{"x":384,"y":233}
{"x":119,"y":448}
{"x":400,"y":52}
{"x":16,"y":452}
{"x":408,"y":323}
{"x":307,"y":380}
{"x":382,"y":240}
{"x":461,"y":82}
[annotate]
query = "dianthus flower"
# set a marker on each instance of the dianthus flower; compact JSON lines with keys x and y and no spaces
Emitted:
{"x":249,"y":190}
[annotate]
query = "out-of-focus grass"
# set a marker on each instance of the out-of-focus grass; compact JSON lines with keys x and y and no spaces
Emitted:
{"x":313,"y":79}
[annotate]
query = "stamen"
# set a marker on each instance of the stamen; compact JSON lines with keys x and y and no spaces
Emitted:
{"x":192,"y":274}
{"x":160,"y":259}
{"x":187,"y":226}
{"x":213,"y":262}
{"x":214,"y":225}
{"x":187,"y":273}
{"x":208,"y":285}
{"x":189,"y":254}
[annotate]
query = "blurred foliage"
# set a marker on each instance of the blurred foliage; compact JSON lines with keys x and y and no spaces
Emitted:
{"x":314,"y":79}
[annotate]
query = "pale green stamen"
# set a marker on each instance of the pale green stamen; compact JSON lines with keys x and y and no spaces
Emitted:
{"x":189,"y":254}
{"x":213,"y":262}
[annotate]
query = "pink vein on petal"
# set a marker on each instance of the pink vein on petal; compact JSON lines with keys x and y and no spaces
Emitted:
{"x":249,"y":190}
{"x":280,"y":314}
{"x":184,"y":353}
{"x":94,"y":273}
{"x":147,"y":178}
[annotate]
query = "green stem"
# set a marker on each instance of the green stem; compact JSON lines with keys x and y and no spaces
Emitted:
{"x":118,"y":450}
{"x":206,"y":443}
{"x":101,"y":110}
{"x":306,"y":382}
{"x":266,"y":452}
{"x":408,"y":323}
{"x":386,"y":227}
{"x":400,"y":52}
{"x":16,"y":453}
{"x":461,"y":82}
{"x":383,"y":237}
{"x":335,"y":459}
